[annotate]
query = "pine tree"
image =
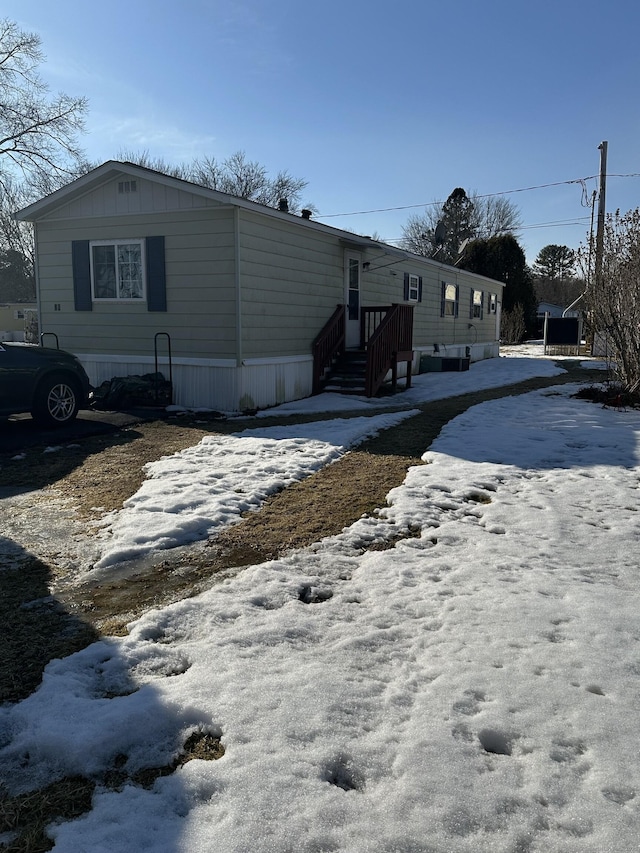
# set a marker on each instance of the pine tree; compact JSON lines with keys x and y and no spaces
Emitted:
{"x":457,"y":225}
{"x":555,"y":263}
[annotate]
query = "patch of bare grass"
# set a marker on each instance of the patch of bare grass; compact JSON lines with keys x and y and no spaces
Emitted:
{"x":25,"y":817}
{"x":35,"y":628}
{"x":107,"y":470}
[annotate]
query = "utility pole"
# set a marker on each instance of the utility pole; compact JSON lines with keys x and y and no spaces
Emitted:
{"x":601,"y":211}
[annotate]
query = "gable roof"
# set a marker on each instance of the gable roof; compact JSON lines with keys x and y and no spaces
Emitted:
{"x":115,"y":168}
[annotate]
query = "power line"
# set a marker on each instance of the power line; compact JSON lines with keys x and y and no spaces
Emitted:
{"x":558,"y":223}
{"x":485,"y":195}
{"x":577,"y":221}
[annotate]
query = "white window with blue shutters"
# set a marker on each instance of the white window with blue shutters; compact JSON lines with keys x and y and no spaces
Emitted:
{"x":128,"y":271}
{"x":412,"y":287}
{"x":117,"y":270}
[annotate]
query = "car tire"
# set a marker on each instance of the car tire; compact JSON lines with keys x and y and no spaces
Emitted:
{"x":56,"y":401}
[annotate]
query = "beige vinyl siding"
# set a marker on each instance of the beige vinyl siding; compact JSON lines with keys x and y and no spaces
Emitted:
{"x":291,"y":281}
{"x":150,"y":197}
{"x":381,"y":287}
{"x":200,"y":279}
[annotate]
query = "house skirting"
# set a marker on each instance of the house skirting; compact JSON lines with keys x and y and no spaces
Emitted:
{"x":225,"y":386}
{"x":219,"y":384}
{"x":475,"y":351}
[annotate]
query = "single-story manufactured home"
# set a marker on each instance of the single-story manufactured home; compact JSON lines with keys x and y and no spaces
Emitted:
{"x":13,"y":319}
{"x":247,"y":306}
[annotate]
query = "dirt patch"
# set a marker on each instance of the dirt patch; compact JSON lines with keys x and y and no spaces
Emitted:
{"x":102,"y":472}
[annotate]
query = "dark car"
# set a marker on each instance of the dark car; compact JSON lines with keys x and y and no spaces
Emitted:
{"x":49,"y":383}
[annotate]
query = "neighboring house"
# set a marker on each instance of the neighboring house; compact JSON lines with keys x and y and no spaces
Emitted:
{"x":556,"y":310}
{"x":130,"y":261}
{"x":13,"y":319}
{"x":548,"y":309}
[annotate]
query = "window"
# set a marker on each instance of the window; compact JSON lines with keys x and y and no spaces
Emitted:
{"x":353,"y":287}
{"x":117,"y":270}
{"x":449,"y":303}
{"x":492,"y":303}
{"x":151,"y":272}
{"x":18,"y":315}
{"x":476,"y":304}
{"x":414,"y":285}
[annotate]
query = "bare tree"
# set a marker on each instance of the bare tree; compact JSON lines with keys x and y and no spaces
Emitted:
{"x":489,"y":216}
{"x":494,"y":216}
{"x":248,"y":179}
{"x":512,"y":325}
{"x":157,"y":164}
{"x":613,"y":293}
{"x":418,"y":234}
{"x":237,"y":176}
{"x":15,"y":236}
{"x":38,"y":132}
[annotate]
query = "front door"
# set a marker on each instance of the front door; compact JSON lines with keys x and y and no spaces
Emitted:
{"x":352,"y":267}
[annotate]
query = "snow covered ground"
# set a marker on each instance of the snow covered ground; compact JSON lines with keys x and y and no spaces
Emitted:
{"x":473,"y":688}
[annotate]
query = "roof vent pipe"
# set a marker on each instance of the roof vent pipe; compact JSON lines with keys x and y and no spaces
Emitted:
{"x":306,"y":214}
{"x":283,"y":205}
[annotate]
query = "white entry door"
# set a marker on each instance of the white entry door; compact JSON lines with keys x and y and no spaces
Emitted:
{"x":352,"y":267}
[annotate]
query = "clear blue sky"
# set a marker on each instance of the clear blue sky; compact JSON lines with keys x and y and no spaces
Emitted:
{"x":376,"y":104}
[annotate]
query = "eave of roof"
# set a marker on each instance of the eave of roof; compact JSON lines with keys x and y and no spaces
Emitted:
{"x":107,"y":171}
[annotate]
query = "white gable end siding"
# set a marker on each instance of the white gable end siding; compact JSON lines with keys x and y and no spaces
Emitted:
{"x":150,"y":197}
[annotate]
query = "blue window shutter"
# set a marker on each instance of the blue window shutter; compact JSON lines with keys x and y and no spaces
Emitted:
{"x":406,"y":287}
{"x":156,"y":275}
{"x":442,"y":300}
{"x":81,"y":275}
{"x":471,"y":305}
{"x":457,"y":299}
{"x":420,"y":289}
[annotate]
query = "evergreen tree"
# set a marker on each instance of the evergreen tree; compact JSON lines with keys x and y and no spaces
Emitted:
{"x":456,"y":224}
{"x":503,"y":259}
{"x":17,"y":283}
{"x":555,"y":263}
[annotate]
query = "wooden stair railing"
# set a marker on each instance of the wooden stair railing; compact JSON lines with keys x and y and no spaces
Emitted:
{"x":390,"y":344}
{"x":329,"y":343}
{"x":370,"y":318}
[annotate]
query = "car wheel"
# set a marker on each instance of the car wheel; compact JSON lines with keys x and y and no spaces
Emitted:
{"x":56,"y":401}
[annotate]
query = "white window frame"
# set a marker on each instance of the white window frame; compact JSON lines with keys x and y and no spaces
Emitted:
{"x":477,"y":297}
{"x":414,"y":288}
{"x":450,"y":299}
{"x":492,"y":303}
{"x":137,"y":241}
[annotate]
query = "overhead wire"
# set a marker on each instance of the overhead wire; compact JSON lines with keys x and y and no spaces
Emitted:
{"x":558,"y":223}
{"x":581,"y":181}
